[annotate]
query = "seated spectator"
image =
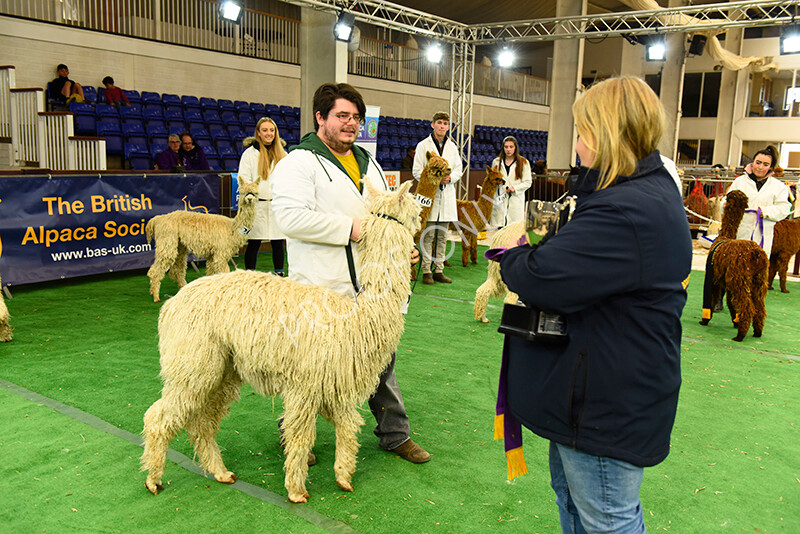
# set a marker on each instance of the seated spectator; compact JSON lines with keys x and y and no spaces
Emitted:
{"x":115,"y":95}
{"x":191,"y":157}
{"x":168,"y":159}
{"x":64,"y":90}
{"x":408,"y":161}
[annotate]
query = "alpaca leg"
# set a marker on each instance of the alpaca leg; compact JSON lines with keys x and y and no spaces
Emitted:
{"x":473,"y":249}
{"x":511,"y":297}
{"x":165,"y":257}
{"x":216,"y":264}
{"x":464,"y":252}
{"x":178,"y":270}
{"x":743,"y":305}
{"x":299,"y":433}
{"x":348,"y":424}
{"x":773,"y":268}
{"x":481,"y":301}
{"x":758,"y":293}
{"x":5,"y":329}
{"x":783,"y":269}
{"x":162,"y":422}
{"x":204,"y":425}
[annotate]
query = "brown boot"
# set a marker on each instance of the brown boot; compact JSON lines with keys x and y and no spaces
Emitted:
{"x":412,"y":452}
{"x":440,"y":277}
{"x":427,"y":279}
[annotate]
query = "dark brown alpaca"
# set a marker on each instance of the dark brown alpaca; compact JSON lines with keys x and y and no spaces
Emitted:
{"x":435,"y":169}
{"x":473,"y":216}
{"x":785,"y":244}
{"x":738,"y":268}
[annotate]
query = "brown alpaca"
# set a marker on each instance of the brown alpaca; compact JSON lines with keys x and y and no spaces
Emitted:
{"x":738,"y":267}
{"x":435,"y":169}
{"x":473,"y":216}
{"x":5,"y":327}
{"x":785,"y":244}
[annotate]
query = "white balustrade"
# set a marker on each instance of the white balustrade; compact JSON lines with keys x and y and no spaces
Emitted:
{"x":26,"y":104}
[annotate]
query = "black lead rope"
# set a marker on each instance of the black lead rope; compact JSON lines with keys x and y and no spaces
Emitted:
{"x":351,"y":264}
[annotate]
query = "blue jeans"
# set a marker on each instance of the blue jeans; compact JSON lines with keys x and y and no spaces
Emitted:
{"x":595,"y":493}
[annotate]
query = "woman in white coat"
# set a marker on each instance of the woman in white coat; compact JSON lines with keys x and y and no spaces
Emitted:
{"x":264,"y":150}
{"x":509,"y":199}
{"x":768,"y":199}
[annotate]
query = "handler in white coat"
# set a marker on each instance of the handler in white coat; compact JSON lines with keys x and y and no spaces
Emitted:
{"x":509,"y":199}
{"x":318,"y":199}
{"x":263,"y":152}
{"x":443,"y":209}
{"x":768,"y":199}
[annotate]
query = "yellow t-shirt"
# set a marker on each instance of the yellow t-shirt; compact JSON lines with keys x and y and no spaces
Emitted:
{"x":351,"y":166}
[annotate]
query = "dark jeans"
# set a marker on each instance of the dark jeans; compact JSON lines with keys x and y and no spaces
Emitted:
{"x":251,"y":254}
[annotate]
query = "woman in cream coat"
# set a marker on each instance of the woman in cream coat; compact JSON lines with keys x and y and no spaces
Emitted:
{"x":263,"y":152}
{"x":509,"y":199}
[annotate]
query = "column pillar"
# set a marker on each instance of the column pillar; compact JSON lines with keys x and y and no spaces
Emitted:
{"x":323,"y":59}
{"x":672,"y":88}
{"x":728,"y":146}
{"x":567,"y":68}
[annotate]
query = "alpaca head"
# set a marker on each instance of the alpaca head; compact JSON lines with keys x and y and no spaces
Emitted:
{"x":399,"y":205}
{"x":494,"y":177}
{"x":248,"y":192}
{"x":435,"y":169}
{"x":735,"y":206}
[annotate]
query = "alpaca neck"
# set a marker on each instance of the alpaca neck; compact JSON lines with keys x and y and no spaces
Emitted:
{"x":486,"y":200}
{"x":385,"y":261}
{"x":730,"y":224}
{"x":243,"y":221}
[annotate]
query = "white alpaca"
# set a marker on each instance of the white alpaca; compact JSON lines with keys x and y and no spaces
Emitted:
{"x":5,"y":327}
{"x":494,"y":286}
{"x":213,"y":237}
{"x":321,"y":351}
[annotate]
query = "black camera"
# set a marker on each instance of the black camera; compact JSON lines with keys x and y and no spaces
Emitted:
{"x":524,"y":321}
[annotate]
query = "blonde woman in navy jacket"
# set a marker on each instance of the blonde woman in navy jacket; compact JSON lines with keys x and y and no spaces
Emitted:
{"x":606,"y":398}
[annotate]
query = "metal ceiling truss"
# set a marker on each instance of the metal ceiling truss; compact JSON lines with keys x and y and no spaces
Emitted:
{"x":461,"y":91}
{"x":674,"y":19}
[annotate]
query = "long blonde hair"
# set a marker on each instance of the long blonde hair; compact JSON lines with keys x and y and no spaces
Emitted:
{"x":623,"y":120}
{"x":269,"y":156}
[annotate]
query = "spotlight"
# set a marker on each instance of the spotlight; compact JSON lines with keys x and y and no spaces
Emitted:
{"x":656,"y":48}
{"x":231,"y":10}
{"x":506,"y":58}
{"x":697,"y":45}
{"x":790,"y":39}
{"x":434,"y":53}
{"x":344,"y":27}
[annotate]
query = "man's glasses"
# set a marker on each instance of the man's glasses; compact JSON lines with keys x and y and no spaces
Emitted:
{"x":345,"y":118}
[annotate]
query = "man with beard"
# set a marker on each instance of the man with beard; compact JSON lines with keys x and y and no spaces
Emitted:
{"x":318,"y":195}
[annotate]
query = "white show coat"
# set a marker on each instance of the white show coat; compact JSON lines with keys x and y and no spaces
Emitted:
{"x":773,"y":199}
{"x":264,"y":226}
{"x":443,"y":208}
{"x":510,"y":207}
{"x":314,"y":204}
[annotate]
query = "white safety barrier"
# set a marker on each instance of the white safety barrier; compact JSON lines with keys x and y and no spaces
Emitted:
{"x":87,"y":154}
{"x":26,"y":104}
{"x":6,"y":83}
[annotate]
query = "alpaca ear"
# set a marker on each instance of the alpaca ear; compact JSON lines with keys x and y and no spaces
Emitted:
{"x":429,"y":155}
{"x":239,"y":180}
{"x":489,"y":169}
{"x":371,"y":188}
{"x":405,"y":187}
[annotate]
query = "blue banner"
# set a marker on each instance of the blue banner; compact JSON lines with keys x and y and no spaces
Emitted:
{"x":54,"y":227}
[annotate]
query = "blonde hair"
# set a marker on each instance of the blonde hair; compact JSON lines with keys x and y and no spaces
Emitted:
{"x":268,"y":156}
{"x":623,"y":120}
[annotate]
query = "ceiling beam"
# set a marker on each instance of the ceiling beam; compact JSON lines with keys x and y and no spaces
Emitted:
{"x":675,"y":19}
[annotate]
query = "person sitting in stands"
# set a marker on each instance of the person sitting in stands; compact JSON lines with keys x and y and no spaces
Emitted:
{"x":64,"y":90}
{"x":115,"y":95}
{"x":168,"y":159}
{"x":408,"y":161}
{"x":191,"y":157}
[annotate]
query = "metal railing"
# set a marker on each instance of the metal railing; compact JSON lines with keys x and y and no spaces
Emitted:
{"x":6,"y":83}
{"x":26,"y":104}
{"x":86,"y":154}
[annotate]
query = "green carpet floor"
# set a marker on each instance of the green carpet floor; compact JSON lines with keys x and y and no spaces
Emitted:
{"x":83,"y":368}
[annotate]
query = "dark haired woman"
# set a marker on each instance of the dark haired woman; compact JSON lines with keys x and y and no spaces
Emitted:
{"x":768,"y":198}
{"x":509,"y":200}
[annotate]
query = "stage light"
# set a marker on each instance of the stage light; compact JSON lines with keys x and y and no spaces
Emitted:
{"x":434,"y":53}
{"x":231,"y":10}
{"x":656,"y":49}
{"x":790,"y":39}
{"x":697,"y":45}
{"x":506,"y":58}
{"x":343,"y":29}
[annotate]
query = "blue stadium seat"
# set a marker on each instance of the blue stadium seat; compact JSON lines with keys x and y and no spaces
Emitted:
{"x":217,"y":131}
{"x":130,"y":114}
{"x":133,"y":96}
{"x":90,"y":94}
{"x":240,"y":105}
{"x":101,"y":94}
{"x":211,"y":116}
{"x":193,"y":115}
{"x":280,"y":122}
{"x":149,"y":97}
{"x":199,"y":133}
{"x":105,"y":110}
{"x":83,"y":116}
{"x":169,"y":99}
{"x":214,"y":164}
{"x":230,"y":164}
{"x":138,"y":156}
{"x":208,"y":103}
{"x":248,"y":122}
{"x":229,"y":117}
{"x":272,"y":110}
{"x":225,"y":105}
{"x":287,"y":111}
{"x":113,"y":136}
{"x":155,"y":131}
{"x":134,"y":133}
{"x":236,"y":132}
{"x":176,"y":127}
{"x":190,"y":102}
{"x":157,"y":148}
{"x":153,"y":108}
{"x":210,"y":151}
{"x":257,"y":109}
{"x":205,"y":144}
{"x":226,"y":151}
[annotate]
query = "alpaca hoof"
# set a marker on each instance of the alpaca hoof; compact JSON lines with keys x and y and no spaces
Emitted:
{"x":447,"y":263}
{"x":346,"y":486}
{"x":484,"y":320}
{"x":153,"y":488}
{"x":770,"y":287}
{"x":704,"y":322}
{"x":739,"y":338}
{"x":784,"y":290}
{"x":299,"y":497}
{"x":756,"y":333}
{"x":226,"y":478}
{"x":156,"y":299}
{"x":464,"y":263}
